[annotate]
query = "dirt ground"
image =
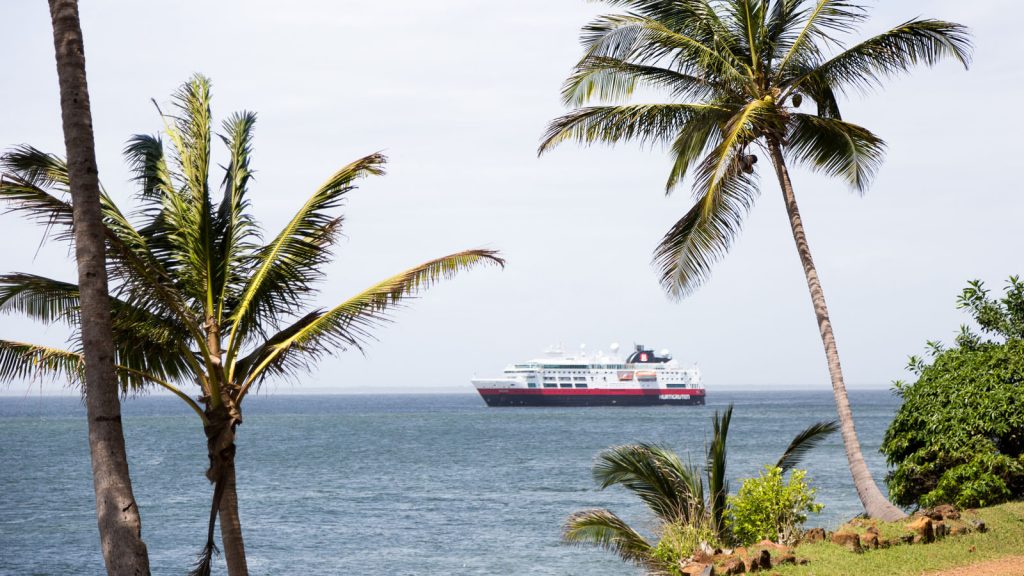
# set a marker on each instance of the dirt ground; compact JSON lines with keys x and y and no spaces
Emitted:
{"x":1010,"y":566}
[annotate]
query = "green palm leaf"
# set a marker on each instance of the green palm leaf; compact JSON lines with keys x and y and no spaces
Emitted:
{"x":896,"y":51}
{"x":645,"y":123}
{"x":718,"y":484}
{"x":669,"y":488}
{"x":836,"y":148}
{"x":349,"y":323}
{"x":284,"y":270}
{"x":804,"y":442}
{"x":604,"y":529}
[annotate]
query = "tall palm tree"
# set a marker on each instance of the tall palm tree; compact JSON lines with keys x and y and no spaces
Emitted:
{"x":198,"y":296}
{"x":673,"y":490}
{"x":117,"y":514}
{"x":737,"y":73}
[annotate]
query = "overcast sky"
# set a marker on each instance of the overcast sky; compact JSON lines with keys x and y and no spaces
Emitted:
{"x":457,"y":94}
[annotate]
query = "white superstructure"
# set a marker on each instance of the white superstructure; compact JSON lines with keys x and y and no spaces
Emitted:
{"x":580,"y":375}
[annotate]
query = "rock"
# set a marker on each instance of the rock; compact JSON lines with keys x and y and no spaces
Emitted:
{"x":979,"y":525}
{"x":752,"y":564}
{"x":731,"y":566}
{"x":869,"y":540}
{"x":813,"y":535}
{"x":940,"y":530}
{"x":697,"y":569}
{"x":848,"y":540}
{"x":959,"y":530}
{"x":768,"y":544}
{"x":872,"y":529}
{"x":943,"y":512}
{"x":765,"y":559}
{"x":784,"y":559}
{"x":803,"y":561}
{"x":907,"y":539}
{"x":884,"y":543}
{"x":923,"y":530}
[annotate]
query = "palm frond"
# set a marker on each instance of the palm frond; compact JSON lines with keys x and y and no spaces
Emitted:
{"x":896,"y":51}
{"x":700,"y":238}
{"x":144,"y":342}
{"x":701,"y":133}
{"x":39,"y":298}
{"x":645,"y":123}
{"x":145,"y":157}
{"x":284,"y":270}
{"x":821,"y":26}
{"x":749,"y":18}
{"x":36,"y":167}
{"x":836,"y":148}
{"x":667,"y":486}
{"x":20,"y":360}
{"x":783,"y":26}
{"x":603,"y":528}
{"x":718,"y":485}
{"x":349,"y":323}
{"x":804,"y":442}
{"x":27,"y":173}
{"x":189,"y":214}
{"x":610,"y":80}
{"x":697,"y":46}
{"x":235,"y":230}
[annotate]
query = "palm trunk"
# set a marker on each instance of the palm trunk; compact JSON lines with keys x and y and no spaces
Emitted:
{"x":875,"y":504}
{"x":117,"y":513}
{"x":220,"y":435}
{"x":230,"y":524}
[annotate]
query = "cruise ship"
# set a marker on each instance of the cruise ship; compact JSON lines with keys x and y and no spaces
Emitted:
{"x":645,"y":378}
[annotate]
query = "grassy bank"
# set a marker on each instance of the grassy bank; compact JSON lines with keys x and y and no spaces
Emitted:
{"x":1005,"y":537}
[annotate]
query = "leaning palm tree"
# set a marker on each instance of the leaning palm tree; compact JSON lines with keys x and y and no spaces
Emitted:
{"x":673,"y":490}
{"x":117,"y":514}
{"x":737,"y":73}
{"x":197,"y":295}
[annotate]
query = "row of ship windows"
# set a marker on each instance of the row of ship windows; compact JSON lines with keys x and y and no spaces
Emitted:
{"x":584,"y":378}
{"x":583,"y":385}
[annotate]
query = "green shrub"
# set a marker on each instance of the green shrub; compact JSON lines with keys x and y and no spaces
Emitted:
{"x":769,"y":508}
{"x":679,"y":541}
{"x":958,"y":436}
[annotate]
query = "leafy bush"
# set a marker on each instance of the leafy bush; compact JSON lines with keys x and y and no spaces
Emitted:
{"x":769,"y":508}
{"x":679,"y":540}
{"x":959,"y":435}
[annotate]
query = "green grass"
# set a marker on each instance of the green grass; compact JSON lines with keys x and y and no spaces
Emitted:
{"x":1005,"y":537}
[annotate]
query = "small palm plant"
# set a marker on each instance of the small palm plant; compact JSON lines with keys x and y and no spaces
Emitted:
{"x":198,"y":297}
{"x":689,"y":511}
{"x":737,"y":75}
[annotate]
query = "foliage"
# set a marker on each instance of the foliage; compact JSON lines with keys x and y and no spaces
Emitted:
{"x":678,"y":541}
{"x":198,"y":295}
{"x":768,"y":507}
{"x":688,"y":510}
{"x":735,"y":75}
{"x":959,"y":435}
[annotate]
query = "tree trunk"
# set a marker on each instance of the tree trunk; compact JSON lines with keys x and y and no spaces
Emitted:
{"x":117,"y":513}
{"x":230,"y":524}
{"x":875,"y":504}
{"x":220,"y":439}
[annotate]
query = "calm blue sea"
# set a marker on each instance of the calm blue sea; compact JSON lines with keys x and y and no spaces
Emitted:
{"x":395,"y":485}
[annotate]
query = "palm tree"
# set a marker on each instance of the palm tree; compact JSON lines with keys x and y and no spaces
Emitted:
{"x":117,"y":514}
{"x":198,"y":296}
{"x":737,"y":73}
{"x":673,"y":490}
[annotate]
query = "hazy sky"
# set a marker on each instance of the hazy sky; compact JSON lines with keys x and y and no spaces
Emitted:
{"x":457,"y":94}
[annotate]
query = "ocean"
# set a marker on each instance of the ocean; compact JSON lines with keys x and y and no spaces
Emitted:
{"x":387,"y":484}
